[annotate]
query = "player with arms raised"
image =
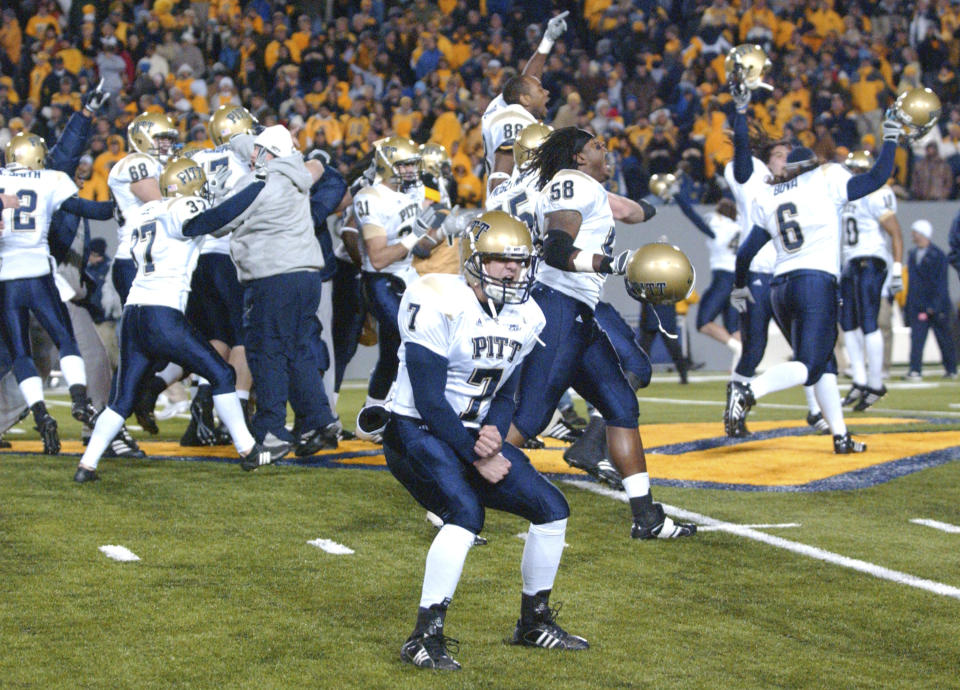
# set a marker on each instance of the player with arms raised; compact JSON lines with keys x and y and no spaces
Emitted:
{"x":463,"y":340}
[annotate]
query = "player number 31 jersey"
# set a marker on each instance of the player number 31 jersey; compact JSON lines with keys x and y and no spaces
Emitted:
{"x":441,"y":313}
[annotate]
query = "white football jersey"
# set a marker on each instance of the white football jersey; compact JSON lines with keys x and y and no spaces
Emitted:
{"x":803,"y":218}
{"x":165,"y":257}
{"x":131,"y":168}
{"x":212,"y":160}
{"x":24,"y":252}
{"x":862,"y":234}
{"x":572,"y":190}
{"x":442,"y":313}
{"x":520,"y":197}
{"x":383,"y":212}
{"x":724,"y":243}
{"x":500,"y":125}
{"x":746,"y":195}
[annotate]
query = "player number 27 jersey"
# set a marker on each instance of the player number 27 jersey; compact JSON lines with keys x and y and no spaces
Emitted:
{"x":441,"y":313}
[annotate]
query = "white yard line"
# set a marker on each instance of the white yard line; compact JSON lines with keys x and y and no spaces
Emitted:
{"x":936,"y":524}
{"x":772,"y":525}
{"x":118,"y":553}
{"x":779,"y":542}
{"x":331,"y":546}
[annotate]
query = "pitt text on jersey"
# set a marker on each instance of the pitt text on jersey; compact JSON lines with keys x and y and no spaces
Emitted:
{"x":495,"y":346}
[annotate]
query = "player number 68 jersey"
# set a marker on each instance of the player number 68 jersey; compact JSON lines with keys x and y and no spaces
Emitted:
{"x":441,"y":313}
{"x":131,"y":168}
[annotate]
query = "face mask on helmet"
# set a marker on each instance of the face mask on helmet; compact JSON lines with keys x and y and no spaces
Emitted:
{"x":498,"y":236}
{"x":398,"y":161}
{"x":154,"y":134}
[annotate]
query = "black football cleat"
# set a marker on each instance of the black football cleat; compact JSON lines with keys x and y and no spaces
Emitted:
{"x":534,"y":443}
{"x":47,"y":426}
{"x":739,"y":401}
{"x":656,"y":525}
{"x":844,"y":445}
{"x":740,"y":428}
{"x":541,"y":630}
{"x":870,"y":397}
{"x":563,"y":431}
{"x":84,"y":475}
{"x":4,"y":444}
{"x":818,"y":423}
{"x":84,"y":411}
{"x":257,"y":457}
{"x":589,"y":453}
{"x":123,"y":446}
{"x":313,"y":441}
{"x":427,"y":646}
{"x":853,"y":395}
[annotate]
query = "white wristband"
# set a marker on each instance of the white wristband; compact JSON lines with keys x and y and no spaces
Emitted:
{"x":897,"y":268}
{"x":546,"y":45}
{"x":409,"y":241}
{"x":583,"y":262}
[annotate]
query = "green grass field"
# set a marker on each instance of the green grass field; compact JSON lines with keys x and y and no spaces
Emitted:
{"x":229,"y":594}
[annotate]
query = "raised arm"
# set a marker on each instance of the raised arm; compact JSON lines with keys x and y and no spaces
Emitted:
{"x":691,"y":213}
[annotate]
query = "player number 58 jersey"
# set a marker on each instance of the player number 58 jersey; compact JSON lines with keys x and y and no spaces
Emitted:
{"x":441,"y":313}
{"x":861,"y":231}
{"x":165,"y":258}
{"x":802,"y":216}
{"x":520,"y":197}
{"x":572,"y":190}
{"x":23,"y":240}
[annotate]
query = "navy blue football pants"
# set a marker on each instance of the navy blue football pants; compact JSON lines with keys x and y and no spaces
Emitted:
{"x":384,"y":292}
{"x":624,"y":341}
{"x":716,"y":300}
{"x":755,"y":324}
{"x":861,"y":286}
{"x":805,"y":307}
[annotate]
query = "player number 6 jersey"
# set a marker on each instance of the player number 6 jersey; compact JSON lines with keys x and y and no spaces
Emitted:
{"x":441,"y":313}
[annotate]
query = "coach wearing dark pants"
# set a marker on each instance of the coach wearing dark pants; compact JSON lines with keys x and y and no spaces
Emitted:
{"x":928,"y":300}
{"x":278,"y":261}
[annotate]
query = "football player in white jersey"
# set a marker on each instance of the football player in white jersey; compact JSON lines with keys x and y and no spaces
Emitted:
{"x":392,"y":222}
{"x":522,"y":103}
{"x":153,"y":328}
{"x":747,"y":176}
{"x":723,"y":237}
{"x":578,"y":253}
{"x":866,"y":223}
{"x":801,"y":214}
{"x":133,"y":181}
{"x":32,"y":196}
{"x":463,"y":340}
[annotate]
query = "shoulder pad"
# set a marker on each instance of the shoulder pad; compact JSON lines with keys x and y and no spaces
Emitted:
{"x":444,"y":292}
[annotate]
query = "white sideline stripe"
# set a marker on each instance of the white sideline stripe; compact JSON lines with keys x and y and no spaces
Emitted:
{"x":331,"y":546}
{"x":772,"y":525}
{"x":522,"y":536}
{"x":779,"y":542}
{"x":785,"y":406}
{"x":942,"y":526}
{"x":118,"y":553}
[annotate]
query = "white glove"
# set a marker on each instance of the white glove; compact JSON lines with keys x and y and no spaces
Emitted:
{"x":217,"y":184}
{"x":739,"y":297}
{"x":892,"y":128}
{"x":95,"y":99}
{"x":556,"y":28}
{"x":741,"y":96}
{"x":432,"y":218}
{"x":896,"y":278}
{"x":618,"y":266}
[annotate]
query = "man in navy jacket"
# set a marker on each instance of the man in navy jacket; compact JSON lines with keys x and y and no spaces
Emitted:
{"x":928,"y":300}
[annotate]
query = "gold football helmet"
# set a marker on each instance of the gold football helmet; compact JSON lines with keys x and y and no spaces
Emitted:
{"x":154,"y":134}
{"x":747,"y":64}
{"x":498,"y":235}
{"x":228,"y":120}
{"x":435,"y":158}
{"x":183,"y":177}
{"x":858,"y":161}
{"x":393,"y":152}
{"x":528,"y":142}
{"x":26,"y":150}
{"x":918,"y":111}
{"x":659,"y":273}
{"x":663,"y":185}
{"x":191,"y":147}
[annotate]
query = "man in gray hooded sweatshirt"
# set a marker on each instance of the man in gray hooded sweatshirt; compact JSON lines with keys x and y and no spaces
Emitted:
{"x":278,"y":261}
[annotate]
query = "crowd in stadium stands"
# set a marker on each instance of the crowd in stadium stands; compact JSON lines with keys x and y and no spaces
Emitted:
{"x":646,"y":74}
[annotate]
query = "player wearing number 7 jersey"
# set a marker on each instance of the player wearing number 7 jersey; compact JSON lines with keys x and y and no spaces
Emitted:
{"x":801,"y":214}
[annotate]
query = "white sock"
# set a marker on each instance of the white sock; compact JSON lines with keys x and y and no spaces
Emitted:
{"x":106,"y":429}
{"x":202,"y":381}
{"x":828,"y":395}
{"x":445,"y":560}
{"x":873,"y":344}
{"x":853,"y":341}
{"x":541,"y":555}
{"x":778,"y":378}
{"x":73,"y":370}
{"x":637,"y":485}
{"x":735,"y":346}
{"x":811,"y":400}
{"x":171,"y":373}
{"x":230,"y":413}
{"x":242,"y":394}
{"x":32,"y":390}
{"x":739,"y":378}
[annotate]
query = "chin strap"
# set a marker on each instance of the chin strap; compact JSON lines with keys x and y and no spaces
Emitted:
{"x":672,"y":336}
